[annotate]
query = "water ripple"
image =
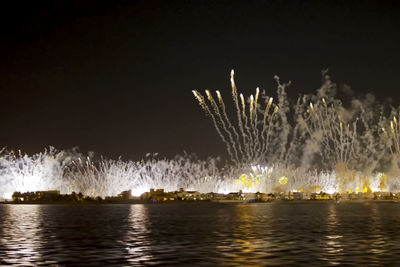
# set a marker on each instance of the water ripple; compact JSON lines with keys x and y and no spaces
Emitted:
{"x":265,"y":234}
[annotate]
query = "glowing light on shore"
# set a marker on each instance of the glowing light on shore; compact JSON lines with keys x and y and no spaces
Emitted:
{"x":7,"y":195}
{"x":283,"y":180}
{"x":330,"y":191}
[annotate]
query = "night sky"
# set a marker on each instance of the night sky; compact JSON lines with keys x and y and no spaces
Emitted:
{"x":116,"y":77}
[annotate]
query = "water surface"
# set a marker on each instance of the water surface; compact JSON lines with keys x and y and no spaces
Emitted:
{"x":264,"y":234}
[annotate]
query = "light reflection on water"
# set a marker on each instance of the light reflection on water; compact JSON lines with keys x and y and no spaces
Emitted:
{"x":21,"y":243}
{"x":263,"y":234}
{"x":137,"y":239}
{"x":333,"y":246}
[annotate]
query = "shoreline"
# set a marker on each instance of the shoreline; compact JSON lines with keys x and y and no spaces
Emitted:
{"x":133,"y":202}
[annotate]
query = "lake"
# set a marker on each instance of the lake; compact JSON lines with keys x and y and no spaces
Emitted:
{"x":208,"y":234}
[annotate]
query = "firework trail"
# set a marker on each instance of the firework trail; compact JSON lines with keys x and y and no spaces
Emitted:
{"x":250,"y":140}
{"x":231,"y":144}
{"x":230,"y":126}
{"x":203,"y":104}
{"x":240,"y":123}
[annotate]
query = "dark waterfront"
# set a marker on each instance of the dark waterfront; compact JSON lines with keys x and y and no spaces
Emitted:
{"x":264,"y":234}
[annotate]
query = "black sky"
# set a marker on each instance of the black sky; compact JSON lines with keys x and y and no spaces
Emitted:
{"x":115,"y":77}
